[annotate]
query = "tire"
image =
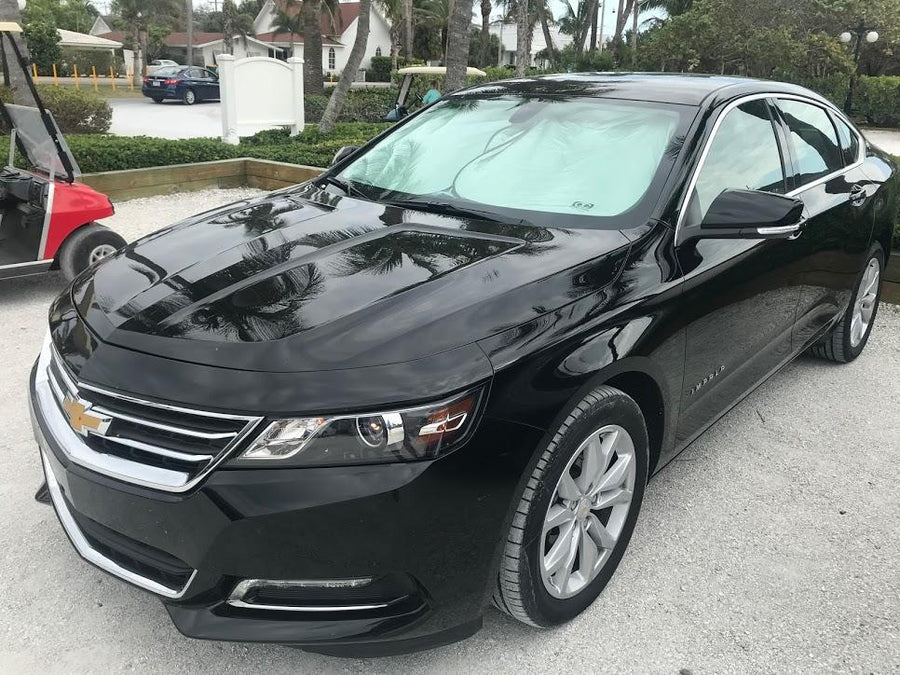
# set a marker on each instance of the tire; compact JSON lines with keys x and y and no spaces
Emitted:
{"x":844,"y":342}
{"x":189,"y":97}
{"x":156,"y":100}
{"x":526,"y":588}
{"x":85,"y":246}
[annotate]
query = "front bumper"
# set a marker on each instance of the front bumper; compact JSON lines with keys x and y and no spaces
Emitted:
{"x":427,"y":533}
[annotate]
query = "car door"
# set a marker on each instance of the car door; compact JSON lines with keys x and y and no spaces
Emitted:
{"x":211,"y":85}
{"x":193,"y":79}
{"x":740,"y":295}
{"x":827,"y":174}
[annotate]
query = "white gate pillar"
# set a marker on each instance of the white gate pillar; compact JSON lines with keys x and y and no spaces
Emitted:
{"x":228,"y":99}
{"x":296,"y":64}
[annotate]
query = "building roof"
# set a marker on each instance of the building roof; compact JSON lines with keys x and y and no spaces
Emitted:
{"x":285,"y":38}
{"x":172,"y":39}
{"x":69,"y":38}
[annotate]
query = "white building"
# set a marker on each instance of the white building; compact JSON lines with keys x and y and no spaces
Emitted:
{"x":336,"y":44}
{"x":506,"y":32}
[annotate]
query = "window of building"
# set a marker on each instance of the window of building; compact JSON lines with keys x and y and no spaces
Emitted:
{"x":332,"y":60}
{"x":377,"y":51}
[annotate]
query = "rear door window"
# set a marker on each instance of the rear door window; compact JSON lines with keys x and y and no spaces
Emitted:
{"x":849,"y":142}
{"x":816,"y":149}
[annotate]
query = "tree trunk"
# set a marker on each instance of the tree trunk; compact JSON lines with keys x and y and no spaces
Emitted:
{"x":408,"y":19}
{"x":189,"y":21}
{"x":485,"y":32}
{"x":594,"y":11}
{"x":634,"y":32}
{"x":621,"y":18}
{"x":313,"y":82}
{"x":339,"y":95}
{"x":548,"y":38}
{"x":458,"y":45}
{"x":521,"y":39}
{"x":135,"y":56}
{"x":600,"y":32}
{"x":228,"y":10}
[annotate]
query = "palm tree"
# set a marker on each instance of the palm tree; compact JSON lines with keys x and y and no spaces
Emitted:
{"x":312,"y":12}
{"x":522,"y":29}
{"x":408,"y":21}
{"x":287,"y":20}
{"x":485,"y":31}
{"x":458,"y":44}
{"x":339,"y":95}
{"x":393,"y":11}
{"x":670,"y":7}
{"x":576,"y":22}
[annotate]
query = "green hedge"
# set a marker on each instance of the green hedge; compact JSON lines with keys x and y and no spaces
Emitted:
{"x":362,"y":105}
{"x":95,"y":152}
{"x":75,"y":111}
{"x":878,"y":100}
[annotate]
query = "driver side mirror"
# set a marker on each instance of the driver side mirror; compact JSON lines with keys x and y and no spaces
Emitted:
{"x":343,"y":153}
{"x":752,"y":214}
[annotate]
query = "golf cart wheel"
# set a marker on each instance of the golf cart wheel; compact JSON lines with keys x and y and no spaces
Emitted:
{"x":189,"y":97}
{"x":85,"y":246}
{"x":157,"y":100}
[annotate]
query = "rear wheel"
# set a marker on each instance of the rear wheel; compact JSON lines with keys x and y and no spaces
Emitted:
{"x":156,"y":99}
{"x":576,"y":513}
{"x":848,"y":338}
{"x":189,"y":97}
{"x":85,"y":246}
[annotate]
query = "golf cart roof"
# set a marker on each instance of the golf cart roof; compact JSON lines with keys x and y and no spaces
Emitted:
{"x":10,"y":27}
{"x":436,"y":70}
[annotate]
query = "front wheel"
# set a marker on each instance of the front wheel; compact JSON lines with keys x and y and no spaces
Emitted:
{"x":189,"y":97}
{"x":576,"y":513}
{"x":848,"y":338}
{"x":85,"y":246}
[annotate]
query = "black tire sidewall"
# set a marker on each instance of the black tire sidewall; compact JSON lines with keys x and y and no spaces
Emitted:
{"x":76,"y":250}
{"x":540,"y":605}
{"x":852,"y":352}
{"x":184,"y":97}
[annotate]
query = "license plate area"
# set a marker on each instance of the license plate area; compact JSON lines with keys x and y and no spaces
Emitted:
{"x":155,"y":83}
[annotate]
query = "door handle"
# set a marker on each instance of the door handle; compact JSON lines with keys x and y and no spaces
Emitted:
{"x":858,"y":195}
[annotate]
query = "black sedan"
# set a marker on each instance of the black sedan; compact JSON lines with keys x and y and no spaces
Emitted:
{"x":181,"y":83}
{"x":350,"y":414}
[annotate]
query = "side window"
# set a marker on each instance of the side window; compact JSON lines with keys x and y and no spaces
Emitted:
{"x":849,"y":142}
{"x":206,"y":75}
{"x":742,"y":155}
{"x":814,"y":139}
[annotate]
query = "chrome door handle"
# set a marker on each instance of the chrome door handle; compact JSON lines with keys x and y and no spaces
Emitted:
{"x":857,"y":195}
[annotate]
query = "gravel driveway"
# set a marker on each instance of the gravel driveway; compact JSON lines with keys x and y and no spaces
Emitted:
{"x":771,"y":544}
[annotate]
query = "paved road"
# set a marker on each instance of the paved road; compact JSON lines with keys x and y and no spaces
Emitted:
{"x":172,"y":119}
{"x":770,"y":545}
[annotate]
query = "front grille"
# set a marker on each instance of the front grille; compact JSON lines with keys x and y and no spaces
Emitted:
{"x":135,"y":556}
{"x":159,"y":445}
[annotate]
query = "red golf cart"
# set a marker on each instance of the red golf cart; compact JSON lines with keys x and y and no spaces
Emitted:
{"x":47,"y":219}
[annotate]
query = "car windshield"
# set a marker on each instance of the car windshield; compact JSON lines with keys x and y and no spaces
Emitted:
{"x":572,"y":161}
{"x":39,"y":146}
{"x":169,"y":70}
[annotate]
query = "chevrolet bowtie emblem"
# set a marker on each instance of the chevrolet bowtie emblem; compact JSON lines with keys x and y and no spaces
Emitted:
{"x":82,"y":419}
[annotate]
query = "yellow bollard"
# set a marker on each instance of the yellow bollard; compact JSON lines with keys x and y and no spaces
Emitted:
{"x":112,"y":78}
{"x":75,"y":68}
{"x":130,"y":80}
{"x":34,"y":71}
{"x":55,"y":78}
{"x":94,"y":77}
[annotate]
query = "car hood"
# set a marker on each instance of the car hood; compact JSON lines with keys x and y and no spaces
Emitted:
{"x":306,"y":280}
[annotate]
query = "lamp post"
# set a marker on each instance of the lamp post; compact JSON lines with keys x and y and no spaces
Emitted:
{"x":860,"y":32}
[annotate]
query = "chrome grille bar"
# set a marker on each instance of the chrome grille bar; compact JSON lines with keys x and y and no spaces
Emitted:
{"x":151,"y":453}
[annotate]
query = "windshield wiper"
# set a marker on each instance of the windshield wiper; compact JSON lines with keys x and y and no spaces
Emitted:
{"x":447,"y":209}
{"x":344,"y":185}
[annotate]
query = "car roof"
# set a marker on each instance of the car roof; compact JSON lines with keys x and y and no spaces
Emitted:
{"x":682,"y":88}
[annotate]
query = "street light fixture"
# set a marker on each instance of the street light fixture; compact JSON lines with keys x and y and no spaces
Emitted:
{"x":860,"y":32}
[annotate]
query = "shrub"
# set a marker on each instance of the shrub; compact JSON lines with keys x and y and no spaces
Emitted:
{"x":43,"y":43}
{"x":379,"y":69}
{"x":75,"y":111}
{"x":878,"y":99}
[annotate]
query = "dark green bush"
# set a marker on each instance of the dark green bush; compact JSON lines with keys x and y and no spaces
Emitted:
{"x":95,"y":152}
{"x":75,"y":111}
{"x":379,"y":69}
{"x":878,"y":100}
{"x":314,"y":106}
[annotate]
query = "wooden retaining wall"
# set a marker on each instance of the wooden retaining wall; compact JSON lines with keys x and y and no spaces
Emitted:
{"x":226,"y":173}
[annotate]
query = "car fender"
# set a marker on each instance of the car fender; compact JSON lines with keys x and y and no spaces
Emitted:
{"x":74,"y":205}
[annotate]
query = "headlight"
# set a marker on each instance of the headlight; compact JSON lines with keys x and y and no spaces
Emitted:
{"x":423,"y":432}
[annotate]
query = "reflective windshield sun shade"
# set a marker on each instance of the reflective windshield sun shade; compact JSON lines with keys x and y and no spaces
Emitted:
{"x":558,"y":156}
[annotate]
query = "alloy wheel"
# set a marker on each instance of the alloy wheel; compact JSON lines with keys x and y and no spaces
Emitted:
{"x":100,"y":252}
{"x":866,"y":297}
{"x":587,"y":511}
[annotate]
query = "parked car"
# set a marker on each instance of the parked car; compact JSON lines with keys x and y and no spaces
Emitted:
{"x":182,"y":83}
{"x":348,"y":414}
{"x":156,"y":64}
